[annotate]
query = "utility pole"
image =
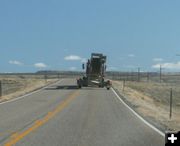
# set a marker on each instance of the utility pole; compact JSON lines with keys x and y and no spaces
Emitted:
{"x":131,"y":75}
{"x":127,"y":76}
{"x":58,"y":75}
{"x":160,"y":73}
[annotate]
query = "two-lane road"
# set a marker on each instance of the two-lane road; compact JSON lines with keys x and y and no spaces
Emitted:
{"x":62,"y":115}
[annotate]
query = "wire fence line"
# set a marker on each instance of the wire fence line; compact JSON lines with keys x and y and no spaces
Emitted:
{"x":9,"y":84}
{"x":163,"y":89}
{"x":145,"y":77}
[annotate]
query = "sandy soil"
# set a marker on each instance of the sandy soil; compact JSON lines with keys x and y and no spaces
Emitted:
{"x":20,"y":87}
{"x":146,"y":99}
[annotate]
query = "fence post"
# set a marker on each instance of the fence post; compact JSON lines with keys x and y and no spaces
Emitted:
{"x":58,"y":75}
{"x":170,"y":106}
{"x":147,"y":76}
{"x":131,"y":75}
{"x":124,"y":81}
{"x":45,"y":76}
{"x":160,"y":73}
{"x":0,"y":88}
{"x":138,"y":74}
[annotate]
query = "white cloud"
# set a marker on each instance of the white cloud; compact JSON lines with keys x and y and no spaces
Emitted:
{"x":15,"y":62}
{"x":168,"y":65}
{"x":40,"y":65}
{"x":131,"y":55}
{"x":157,"y":59}
{"x":73,"y":68}
{"x":37,"y":65}
{"x":73,"y":57}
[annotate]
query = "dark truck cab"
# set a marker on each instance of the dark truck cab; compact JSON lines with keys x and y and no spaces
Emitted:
{"x":95,"y":70}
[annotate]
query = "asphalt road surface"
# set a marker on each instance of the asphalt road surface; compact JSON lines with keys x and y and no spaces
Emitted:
{"x":62,"y":115}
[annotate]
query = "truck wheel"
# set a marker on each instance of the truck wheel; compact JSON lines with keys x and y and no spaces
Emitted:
{"x":101,"y":86}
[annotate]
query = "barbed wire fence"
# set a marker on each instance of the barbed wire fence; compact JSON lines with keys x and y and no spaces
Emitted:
{"x":145,"y":77}
{"x":170,"y":79}
{"x":10,"y":83}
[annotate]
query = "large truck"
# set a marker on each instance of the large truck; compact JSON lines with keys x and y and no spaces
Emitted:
{"x":95,"y":71}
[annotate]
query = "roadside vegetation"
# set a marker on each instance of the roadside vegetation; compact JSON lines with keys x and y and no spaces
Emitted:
{"x":152,"y":100}
{"x":17,"y":85}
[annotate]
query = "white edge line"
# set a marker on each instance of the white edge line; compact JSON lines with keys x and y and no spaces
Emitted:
{"x":140,"y":117}
{"x":33,"y":92}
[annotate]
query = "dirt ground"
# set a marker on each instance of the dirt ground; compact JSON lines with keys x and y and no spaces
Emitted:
{"x":151,"y":100}
{"x":14,"y":87}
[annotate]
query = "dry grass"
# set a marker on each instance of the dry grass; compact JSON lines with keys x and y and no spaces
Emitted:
{"x":151,"y":100}
{"x":14,"y":87}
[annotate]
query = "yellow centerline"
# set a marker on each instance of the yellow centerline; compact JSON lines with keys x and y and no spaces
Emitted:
{"x":18,"y":136}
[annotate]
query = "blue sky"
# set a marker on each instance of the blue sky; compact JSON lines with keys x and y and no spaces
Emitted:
{"x":60,"y":34}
